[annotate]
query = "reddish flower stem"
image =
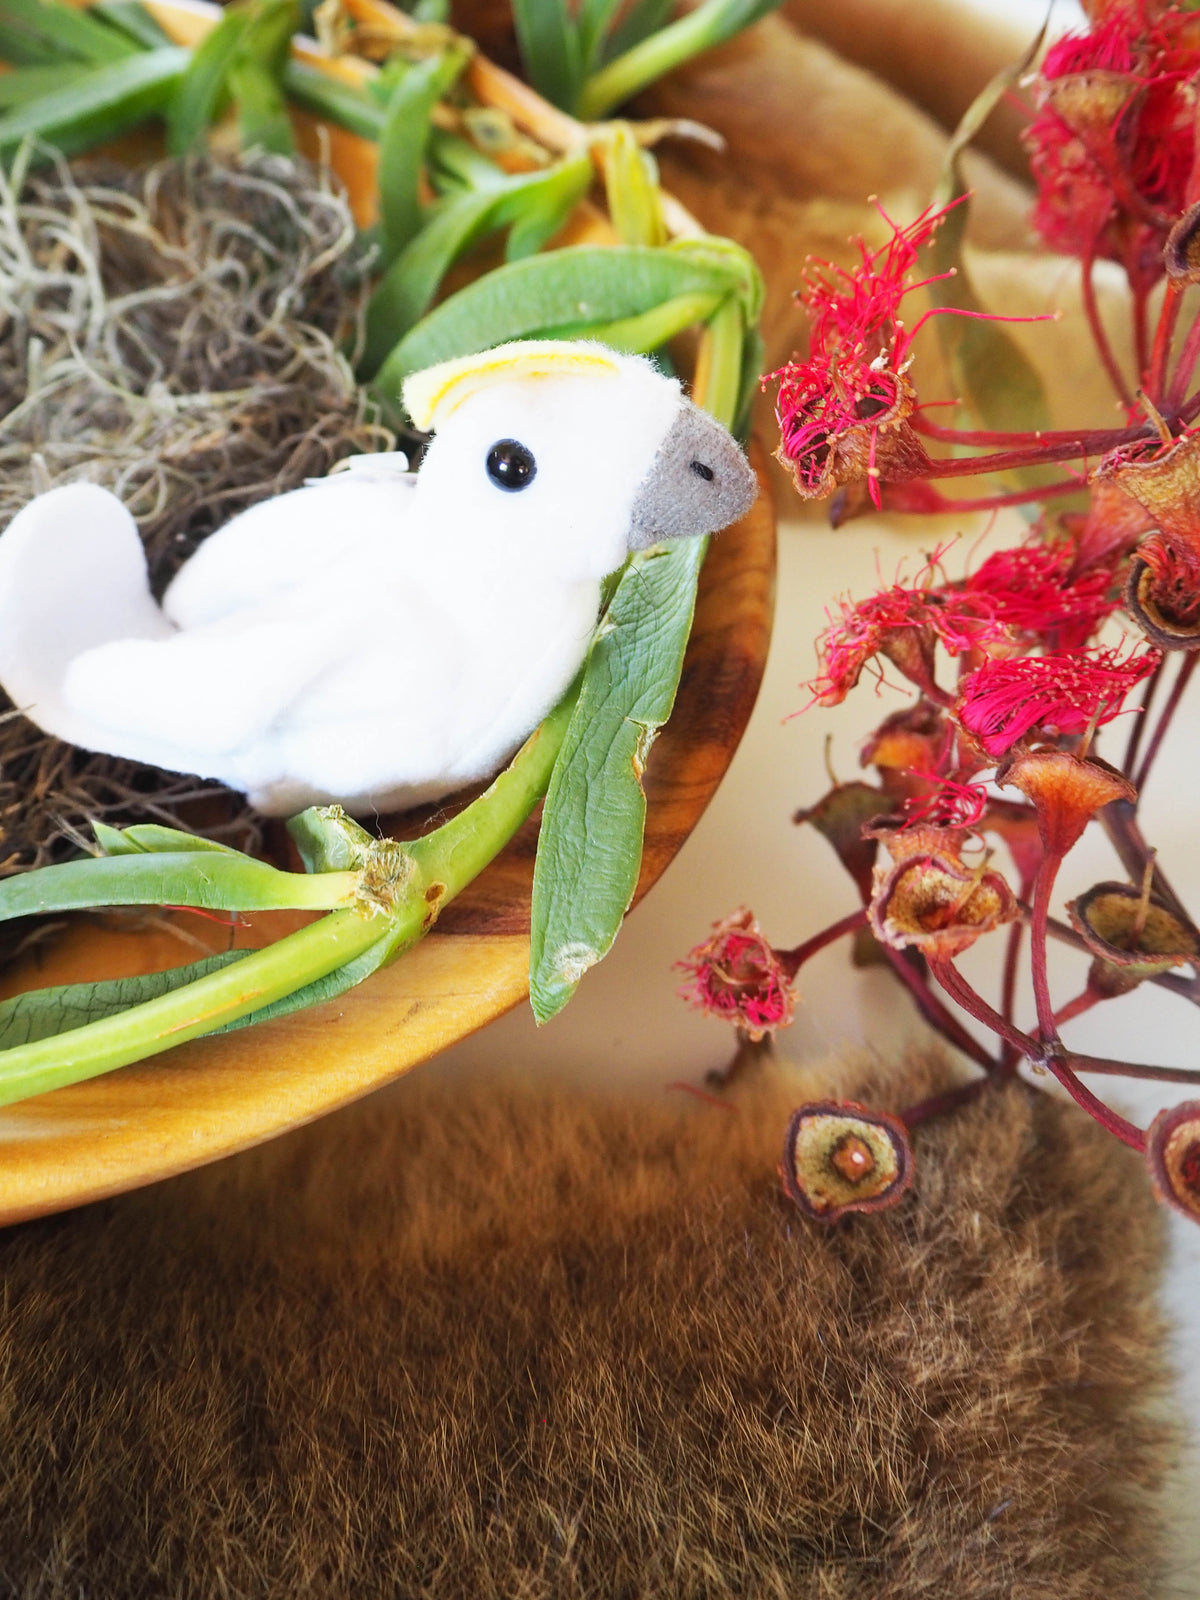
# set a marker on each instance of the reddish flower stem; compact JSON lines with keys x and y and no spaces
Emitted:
{"x":969,"y":998}
{"x":1043,"y":886}
{"x":1034,"y":455}
{"x":1130,"y":1069}
{"x":1141,"y":340}
{"x":960,"y":990}
{"x":1092,"y":312}
{"x":937,"y":1105}
{"x":1076,"y":1008}
{"x":1008,"y":993}
{"x":1079,"y":441}
{"x":1140,"y":720}
{"x":792,"y":960}
{"x":1163,"y":334}
{"x":995,"y":502}
{"x":1182,"y":679}
{"x":935,"y":1012}
{"x":1120,"y":1127}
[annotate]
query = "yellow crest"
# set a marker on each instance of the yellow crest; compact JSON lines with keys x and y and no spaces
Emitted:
{"x":432,"y":395}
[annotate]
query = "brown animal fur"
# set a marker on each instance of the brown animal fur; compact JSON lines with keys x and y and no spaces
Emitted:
{"x":508,"y":1342}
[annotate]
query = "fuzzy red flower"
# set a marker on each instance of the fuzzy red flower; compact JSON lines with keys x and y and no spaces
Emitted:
{"x":1112,"y":144}
{"x":1003,"y":700}
{"x":1034,"y":590}
{"x":904,"y":625}
{"x":843,"y":413}
{"x":736,"y":975}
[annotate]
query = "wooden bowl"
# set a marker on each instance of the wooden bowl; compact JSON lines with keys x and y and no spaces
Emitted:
{"x":210,"y":1097}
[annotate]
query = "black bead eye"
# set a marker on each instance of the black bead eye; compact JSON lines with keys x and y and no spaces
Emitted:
{"x":510,"y":465}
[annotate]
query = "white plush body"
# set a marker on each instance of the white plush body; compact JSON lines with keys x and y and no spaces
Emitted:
{"x":375,"y":638}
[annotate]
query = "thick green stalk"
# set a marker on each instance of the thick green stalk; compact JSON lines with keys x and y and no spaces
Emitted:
{"x":439,"y":866}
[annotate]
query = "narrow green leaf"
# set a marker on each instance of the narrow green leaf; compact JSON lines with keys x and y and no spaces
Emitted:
{"x":99,"y":104}
{"x":31,"y":83}
{"x":154,"y":836}
{"x":212,"y":880}
{"x":637,"y":22}
{"x":549,"y":45}
{"x":709,"y":25}
{"x":132,"y":18}
{"x":263,"y":121}
{"x":204,"y":88}
{"x":323,"y":96}
{"x":416,"y":274}
{"x":592,"y":20}
{"x":648,"y":331}
{"x":33,"y":31}
{"x":581,"y":286}
{"x":403,"y":144}
{"x":47,"y":1013}
{"x":631,"y":187}
{"x":590,"y":847}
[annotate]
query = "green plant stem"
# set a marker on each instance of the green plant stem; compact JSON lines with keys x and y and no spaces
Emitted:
{"x":443,"y":862}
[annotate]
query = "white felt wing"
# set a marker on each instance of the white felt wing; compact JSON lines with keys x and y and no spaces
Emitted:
{"x":322,"y":532}
{"x":72,"y":576}
{"x":197,"y":697}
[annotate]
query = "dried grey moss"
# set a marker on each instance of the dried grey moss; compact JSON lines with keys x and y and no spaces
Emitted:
{"x":182,"y":334}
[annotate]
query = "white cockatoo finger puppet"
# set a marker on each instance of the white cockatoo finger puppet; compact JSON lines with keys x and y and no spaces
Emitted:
{"x":376,"y":638}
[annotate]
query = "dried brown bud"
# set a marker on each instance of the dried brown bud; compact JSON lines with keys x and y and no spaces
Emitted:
{"x":1065,"y":791}
{"x":931,"y":900}
{"x":840,"y":1157}
{"x":1173,"y":1156}
{"x":1166,"y":482}
{"x":840,"y":818}
{"x":1162,"y":595}
{"x":1181,"y":253}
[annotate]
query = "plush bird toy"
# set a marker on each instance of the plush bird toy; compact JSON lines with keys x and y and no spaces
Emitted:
{"x":376,"y":638}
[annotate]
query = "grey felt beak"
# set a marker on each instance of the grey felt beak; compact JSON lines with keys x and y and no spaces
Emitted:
{"x":699,"y":481}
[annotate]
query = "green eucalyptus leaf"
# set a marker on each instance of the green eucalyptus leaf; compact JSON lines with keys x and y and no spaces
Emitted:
{"x":590,"y":845}
{"x":36,"y":32}
{"x":100,"y":103}
{"x":403,"y":144}
{"x":582,"y":286}
{"x":991,"y":373}
{"x":550,"y":49}
{"x":47,"y":1013}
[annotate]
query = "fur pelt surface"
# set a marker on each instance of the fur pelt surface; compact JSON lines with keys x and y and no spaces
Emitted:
{"x":493,"y":1340}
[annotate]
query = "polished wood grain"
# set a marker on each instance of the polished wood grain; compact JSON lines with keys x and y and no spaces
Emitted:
{"x":211,"y":1097}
